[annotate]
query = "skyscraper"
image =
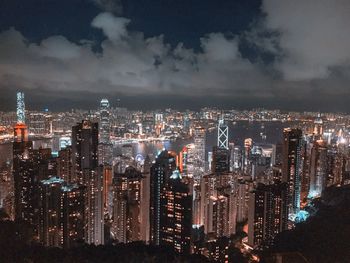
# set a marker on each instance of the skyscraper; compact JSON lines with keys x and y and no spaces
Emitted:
{"x":104,"y":122}
{"x":221,"y":160}
{"x":21,"y":117}
{"x":176,"y":215}
{"x":84,"y":147}
{"x":222,"y":134}
{"x":199,"y":135}
{"x":105,"y":148}
{"x":24,"y":183}
{"x":292,"y":166}
{"x":61,"y":213}
{"x":161,"y":171}
{"x":126,"y":225}
{"x":268,"y":213}
{"x":318,"y":168}
{"x":90,"y":175}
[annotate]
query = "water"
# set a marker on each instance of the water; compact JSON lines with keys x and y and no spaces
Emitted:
{"x":237,"y":133}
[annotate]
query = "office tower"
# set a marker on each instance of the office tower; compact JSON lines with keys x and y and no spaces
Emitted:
{"x":268,"y":213}
{"x":126,"y":226}
{"x":221,"y":160}
{"x":61,"y":213}
{"x":232,"y":156}
{"x":199,"y":136}
{"x":24,"y":182}
{"x":292,"y":166}
{"x":104,"y":122}
{"x":222,"y":135}
{"x":65,"y":165}
{"x":237,"y":158}
{"x":248,"y":144}
{"x":261,"y":160}
{"x":87,"y":173}
{"x":161,"y":171}
{"x":176,"y":215}
{"x":105,"y":148}
{"x":318,"y":168}
{"x":108,"y":189}
{"x":145,"y":200}
{"x":84,"y":147}
{"x":21,"y":117}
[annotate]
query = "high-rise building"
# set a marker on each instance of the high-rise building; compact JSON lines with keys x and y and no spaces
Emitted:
{"x":176,"y":215}
{"x":84,"y":148}
{"x":24,"y":182}
{"x":292,"y":166}
{"x":21,"y":117}
{"x":161,"y":171}
{"x":104,"y":122}
{"x":61,"y":213}
{"x":105,"y":148}
{"x":222,"y":135}
{"x":126,"y":225}
{"x":318,"y":168}
{"x":90,"y":175}
{"x":218,"y":205}
{"x":65,"y":165}
{"x":199,"y":136}
{"x":268,"y":213}
{"x":221,"y":160}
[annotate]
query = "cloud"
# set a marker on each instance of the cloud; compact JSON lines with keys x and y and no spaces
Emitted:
{"x":314,"y":36}
{"x":128,"y":64}
{"x":308,"y":60}
{"x":112,"y":6}
{"x":113,"y":27}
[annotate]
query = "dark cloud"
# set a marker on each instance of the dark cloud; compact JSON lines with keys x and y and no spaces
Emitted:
{"x":309,"y":65}
{"x":112,"y":6}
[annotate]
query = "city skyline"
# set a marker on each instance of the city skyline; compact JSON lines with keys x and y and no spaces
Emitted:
{"x":175,"y":131}
{"x":249,"y":54}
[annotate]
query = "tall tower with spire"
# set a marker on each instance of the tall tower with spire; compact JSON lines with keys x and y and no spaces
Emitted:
{"x":222,"y":134}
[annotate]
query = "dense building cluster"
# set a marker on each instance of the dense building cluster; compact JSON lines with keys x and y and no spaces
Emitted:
{"x":192,"y":200}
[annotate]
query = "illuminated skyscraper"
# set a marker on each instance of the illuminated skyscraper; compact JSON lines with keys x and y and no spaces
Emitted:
{"x":161,"y":171}
{"x":176,"y":215}
{"x":104,"y":121}
{"x":126,"y":225}
{"x":21,"y":117}
{"x":105,"y":148}
{"x":61,"y":213}
{"x":222,"y":134}
{"x":84,"y":147}
{"x":221,"y":160}
{"x":292,"y":166}
{"x":90,"y":175}
{"x":198,"y":159}
{"x":268,"y":213}
{"x":318,"y":168}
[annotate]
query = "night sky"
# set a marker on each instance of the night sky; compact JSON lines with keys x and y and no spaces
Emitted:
{"x":64,"y":54}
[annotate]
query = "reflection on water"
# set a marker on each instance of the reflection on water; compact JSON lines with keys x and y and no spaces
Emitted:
{"x":237,"y":133}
